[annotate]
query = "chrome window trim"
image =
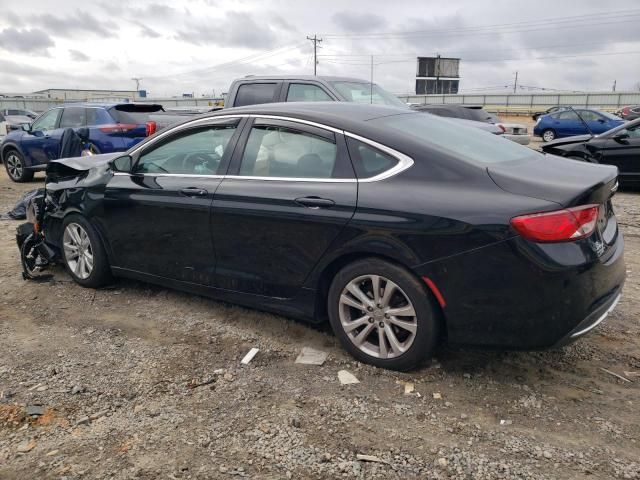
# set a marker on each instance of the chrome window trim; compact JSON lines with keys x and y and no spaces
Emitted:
{"x":404,"y":161}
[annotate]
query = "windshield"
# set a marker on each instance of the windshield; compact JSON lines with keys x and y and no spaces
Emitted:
{"x":469,"y":143}
{"x":366,"y":93}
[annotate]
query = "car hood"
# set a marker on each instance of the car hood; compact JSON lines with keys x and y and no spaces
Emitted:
{"x":85,"y":163}
{"x":18,"y":119}
{"x":568,"y":140}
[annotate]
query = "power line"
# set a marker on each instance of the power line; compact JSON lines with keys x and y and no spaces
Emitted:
{"x":554,"y":21}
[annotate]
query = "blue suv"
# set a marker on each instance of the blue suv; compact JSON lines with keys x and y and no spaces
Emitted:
{"x":110,"y":128}
{"x":570,"y":122}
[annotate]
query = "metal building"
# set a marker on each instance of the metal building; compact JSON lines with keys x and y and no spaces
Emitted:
{"x":437,"y":75}
{"x":88,"y":95}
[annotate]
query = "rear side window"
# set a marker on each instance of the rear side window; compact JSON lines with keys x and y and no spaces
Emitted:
{"x":367,"y":160}
{"x":274,"y":151}
{"x":97,"y":116}
{"x":565,"y":115}
{"x":255,"y":93}
{"x":73,"y":117}
{"x":304,"y":92}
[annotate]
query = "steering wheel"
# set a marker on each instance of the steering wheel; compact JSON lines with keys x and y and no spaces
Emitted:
{"x":191,"y":160}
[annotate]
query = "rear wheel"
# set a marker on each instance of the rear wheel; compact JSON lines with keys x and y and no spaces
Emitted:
{"x":83,"y":253}
{"x":16,"y":169}
{"x":548,"y":135}
{"x":383,"y":315}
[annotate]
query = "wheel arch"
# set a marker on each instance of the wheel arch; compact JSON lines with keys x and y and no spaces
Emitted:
{"x":8,"y":147}
{"x":332,"y":268}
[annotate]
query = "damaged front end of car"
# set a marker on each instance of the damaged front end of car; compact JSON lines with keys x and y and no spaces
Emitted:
{"x":69,"y":185}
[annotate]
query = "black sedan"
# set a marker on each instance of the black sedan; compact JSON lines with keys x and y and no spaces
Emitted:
{"x":394,"y":227}
{"x":619,"y":146}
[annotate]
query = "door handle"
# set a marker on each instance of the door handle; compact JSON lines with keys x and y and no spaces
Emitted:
{"x":315,"y":202}
{"x":194,"y":192}
{"x":47,"y":136}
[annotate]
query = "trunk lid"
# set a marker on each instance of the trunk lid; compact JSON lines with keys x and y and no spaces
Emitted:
{"x":567,"y":182}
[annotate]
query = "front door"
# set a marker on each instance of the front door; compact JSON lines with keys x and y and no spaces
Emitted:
{"x":157,"y":218}
{"x":289,"y":193}
{"x":624,"y":153}
{"x":42,"y":142}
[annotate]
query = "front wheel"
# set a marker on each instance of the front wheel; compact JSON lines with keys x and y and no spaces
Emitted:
{"x":548,"y":135}
{"x":383,"y":315}
{"x":16,"y":169}
{"x":83,"y":253}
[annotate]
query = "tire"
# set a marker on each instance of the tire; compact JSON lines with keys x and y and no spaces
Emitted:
{"x":548,"y":135}
{"x":76,"y":230}
{"x":411,"y":347}
{"x":15,"y":167}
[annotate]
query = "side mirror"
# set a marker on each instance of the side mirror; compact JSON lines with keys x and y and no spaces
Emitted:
{"x":122,"y":164}
{"x":621,"y":136}
{"x":26,"y":127}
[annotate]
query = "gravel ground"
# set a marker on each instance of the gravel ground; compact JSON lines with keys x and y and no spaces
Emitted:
{"x":136,"y":381}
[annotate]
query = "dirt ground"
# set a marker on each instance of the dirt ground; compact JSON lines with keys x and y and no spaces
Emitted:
{"x":140,"y":382}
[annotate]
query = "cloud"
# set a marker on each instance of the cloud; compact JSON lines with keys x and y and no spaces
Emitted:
{"x":148,"y":32}
{"x":78,"y":56}
{"x":237,"y":29}
{"x":358,"y":22}
{"x":76,"y":24}
{"x":26,"y":40}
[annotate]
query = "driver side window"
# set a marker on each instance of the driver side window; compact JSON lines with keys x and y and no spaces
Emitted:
{"x":47,"y":121}
{"x":195,"y":152}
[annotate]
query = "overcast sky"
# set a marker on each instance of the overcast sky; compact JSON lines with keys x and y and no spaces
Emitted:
{"x":201,"y":45}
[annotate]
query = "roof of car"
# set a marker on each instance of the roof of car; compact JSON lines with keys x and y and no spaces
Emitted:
{"x":326,"y":78}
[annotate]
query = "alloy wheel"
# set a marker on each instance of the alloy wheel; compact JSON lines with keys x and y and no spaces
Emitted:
{"x":14,"y":166}
{"x":77,"y":250}
{"x":548,"y":135}
{"x":378,"y":316}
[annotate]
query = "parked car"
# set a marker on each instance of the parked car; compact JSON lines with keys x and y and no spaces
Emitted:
{"x":513,"y":131}
{"x":619,"y":146}
{"x":3,"y":127}
{"x":570,"y":122}
{"x":487,"y":127}
{"x":15,"y":118}
{"x":629,"y":112}
{"x":253,"y":90}
{"x":549,"y":110}
{"x":112,"y":128}
{"x":387,"y":222}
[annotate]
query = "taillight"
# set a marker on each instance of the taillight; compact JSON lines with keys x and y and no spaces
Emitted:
{"x":151,"y":128}
{"x":501,"y":127}
{"x":118,"y":128}
{"x":557,"y":226}
{"x":625,"y":110}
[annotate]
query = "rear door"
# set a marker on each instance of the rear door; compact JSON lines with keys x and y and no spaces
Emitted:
{"x":289,"y":192}
{"x":39,"y":144}
{"x":157,"y":218}
{"x":567,"y":123}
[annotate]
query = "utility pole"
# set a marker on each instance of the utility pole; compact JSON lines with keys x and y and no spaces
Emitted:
{"x":137,"y":80}
{"x":515,"y":83}
{"x":438,"y":73}
{"x":315,"y":41}
{"x":614,"y":85}
{"x":371,"y":84}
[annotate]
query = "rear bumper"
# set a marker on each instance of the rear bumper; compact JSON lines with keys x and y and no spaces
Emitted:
{"x":520,"y":295}
{"x":594,"y":319}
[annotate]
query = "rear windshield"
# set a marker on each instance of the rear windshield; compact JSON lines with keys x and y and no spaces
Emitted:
{"x":134,"y":114}
{"x":468,"y":143}
{"x":367,"y":93}
{"x":608,"y":115}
